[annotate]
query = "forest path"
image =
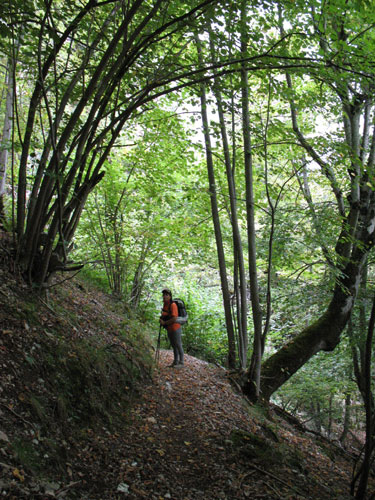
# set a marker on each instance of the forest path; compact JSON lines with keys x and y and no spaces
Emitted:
{"x":177,"y":446}
{"x":186,"y":420}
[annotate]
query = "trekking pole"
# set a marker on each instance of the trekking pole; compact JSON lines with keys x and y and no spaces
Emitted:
{"x":157,"y":353}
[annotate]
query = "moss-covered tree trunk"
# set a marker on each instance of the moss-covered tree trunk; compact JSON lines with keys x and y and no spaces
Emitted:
{"x":324,"y":334}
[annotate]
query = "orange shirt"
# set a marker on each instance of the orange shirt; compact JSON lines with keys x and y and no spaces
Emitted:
{"x":172,"y":312}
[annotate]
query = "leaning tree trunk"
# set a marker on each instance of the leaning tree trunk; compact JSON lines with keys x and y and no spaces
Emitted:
{"x":357,"y":214}
{"x":324,"y":334}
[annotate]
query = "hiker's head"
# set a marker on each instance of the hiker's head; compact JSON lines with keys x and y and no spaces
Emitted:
{"x":167,"y":294}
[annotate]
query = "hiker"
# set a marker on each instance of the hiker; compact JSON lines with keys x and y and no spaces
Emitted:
{"x":168,"y":319}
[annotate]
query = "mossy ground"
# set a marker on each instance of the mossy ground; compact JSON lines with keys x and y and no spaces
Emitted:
{"x":72,"y":364}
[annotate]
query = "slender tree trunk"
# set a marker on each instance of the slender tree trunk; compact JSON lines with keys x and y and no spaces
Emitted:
{"x":362,"y":347}
{"x":255,"y":366}
{"x":237,"y":316}
{"x":370,"y":417}
{"x":237,"y":242}
{"x":330,"y":409}
{"x":6,"y":135}
{"x":317,"y":419}
{"x":216,"y":223}
{"x":346,"y":424}
{"x":272,"y":212}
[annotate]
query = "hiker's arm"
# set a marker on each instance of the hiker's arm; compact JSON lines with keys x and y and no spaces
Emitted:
{"x":169,"y":321}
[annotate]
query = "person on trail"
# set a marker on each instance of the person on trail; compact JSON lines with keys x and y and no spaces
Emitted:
{"x":168,"y":320}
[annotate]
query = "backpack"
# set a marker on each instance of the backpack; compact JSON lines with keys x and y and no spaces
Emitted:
{"x":182,"y":313}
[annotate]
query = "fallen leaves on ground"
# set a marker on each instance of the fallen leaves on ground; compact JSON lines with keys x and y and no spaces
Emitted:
{"x":178,"y":446}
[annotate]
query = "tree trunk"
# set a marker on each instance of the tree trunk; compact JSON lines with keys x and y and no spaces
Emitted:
{"x":237,"y":242}
{"x":362,"y":348}
{"x":355,"y":240}
{"x":84,"y":127}
{"x":255,"y":366}
{"x":216,"y":223}
{"x":330,"y":419}
{"x":6,"y":136}
{"x":346,"y":424}
{"x":370,"y":417}
{"x":322,"y":335}
{"x":317,"y":416}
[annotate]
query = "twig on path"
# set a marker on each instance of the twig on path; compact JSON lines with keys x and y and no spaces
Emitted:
{"x":245,"y":476}
{"x":18,"y":416}
{"x":277,"y":479}
{"x":274,"y":490}
{"x":67,"y":487}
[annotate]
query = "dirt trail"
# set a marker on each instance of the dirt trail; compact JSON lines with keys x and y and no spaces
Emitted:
{"x":187,"y":419}
{"x":178,"y":447}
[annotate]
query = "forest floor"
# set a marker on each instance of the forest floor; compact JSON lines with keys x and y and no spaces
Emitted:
{"x":191,"y":437}
{"x":186,"y":434}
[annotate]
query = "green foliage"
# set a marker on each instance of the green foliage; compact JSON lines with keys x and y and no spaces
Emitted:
{"x":138,"y":207}
{"x":206,"y":337}
{"x":95,"y":276}
{"x":317,"y":391}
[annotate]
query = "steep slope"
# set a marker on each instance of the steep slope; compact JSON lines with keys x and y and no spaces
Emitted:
{"x":71,"y":365}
